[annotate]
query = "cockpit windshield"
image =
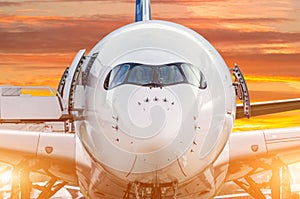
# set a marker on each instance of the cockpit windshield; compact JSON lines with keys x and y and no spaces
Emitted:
{"x":140,"y":74}
{"x":155,"y":76}
{"x":170,"y":75}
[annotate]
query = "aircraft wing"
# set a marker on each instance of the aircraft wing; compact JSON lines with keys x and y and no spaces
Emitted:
{"x":49,"y":153}
{"x":256,"y":151}
{"x":264,"y":108}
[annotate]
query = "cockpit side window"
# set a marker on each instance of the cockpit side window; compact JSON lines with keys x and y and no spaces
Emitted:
{"x":194,"y":75}
{"x":116,"y":76}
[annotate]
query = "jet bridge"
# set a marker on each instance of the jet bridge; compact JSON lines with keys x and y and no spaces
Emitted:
{"x":29,"y":103}
{"x":39,"y":108}
{"x":31,"y":109}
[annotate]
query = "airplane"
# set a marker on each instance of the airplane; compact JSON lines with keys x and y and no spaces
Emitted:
{"x":147,"y":113}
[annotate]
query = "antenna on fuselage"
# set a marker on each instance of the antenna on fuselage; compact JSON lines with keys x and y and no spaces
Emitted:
{"x":143,"y":11}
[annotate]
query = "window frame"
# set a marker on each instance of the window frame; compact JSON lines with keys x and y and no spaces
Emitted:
{"x":155,"y":80}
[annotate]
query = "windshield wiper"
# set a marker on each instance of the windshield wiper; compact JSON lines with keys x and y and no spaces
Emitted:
{"x":154,"y":85}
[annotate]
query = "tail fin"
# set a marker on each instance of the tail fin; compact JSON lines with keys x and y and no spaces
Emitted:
{"x":143,"y":11}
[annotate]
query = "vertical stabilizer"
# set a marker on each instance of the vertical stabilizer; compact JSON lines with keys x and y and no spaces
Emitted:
{"x":143,"y":11}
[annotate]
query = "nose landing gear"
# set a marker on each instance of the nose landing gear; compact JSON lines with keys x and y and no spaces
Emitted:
{"x":138,"y":190}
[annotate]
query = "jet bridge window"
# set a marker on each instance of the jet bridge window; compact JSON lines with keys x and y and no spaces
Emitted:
{"x":155,"y":76}
{"x":88,"y":68}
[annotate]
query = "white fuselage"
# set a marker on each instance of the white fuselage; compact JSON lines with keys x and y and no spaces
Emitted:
{"x":138,"y":134}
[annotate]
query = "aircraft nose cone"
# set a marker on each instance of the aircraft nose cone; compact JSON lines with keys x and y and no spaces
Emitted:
{"x":152,"y":119}
{"x":148,"y":120}
{"x":142,"y":129}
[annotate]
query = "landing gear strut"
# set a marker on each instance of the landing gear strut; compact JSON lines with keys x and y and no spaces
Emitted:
{"x":22,"y":186}
{"x":279,"y":184}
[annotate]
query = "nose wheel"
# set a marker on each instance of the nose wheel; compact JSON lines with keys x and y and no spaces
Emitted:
{"x":138,"y":190}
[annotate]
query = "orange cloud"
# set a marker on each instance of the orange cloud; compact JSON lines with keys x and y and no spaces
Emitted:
{"x":6,"y":3}
{"x":38,"y":34}
{"x":33,"y":69}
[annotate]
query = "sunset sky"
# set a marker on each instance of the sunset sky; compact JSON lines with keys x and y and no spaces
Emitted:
{"x":38,"y":39}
